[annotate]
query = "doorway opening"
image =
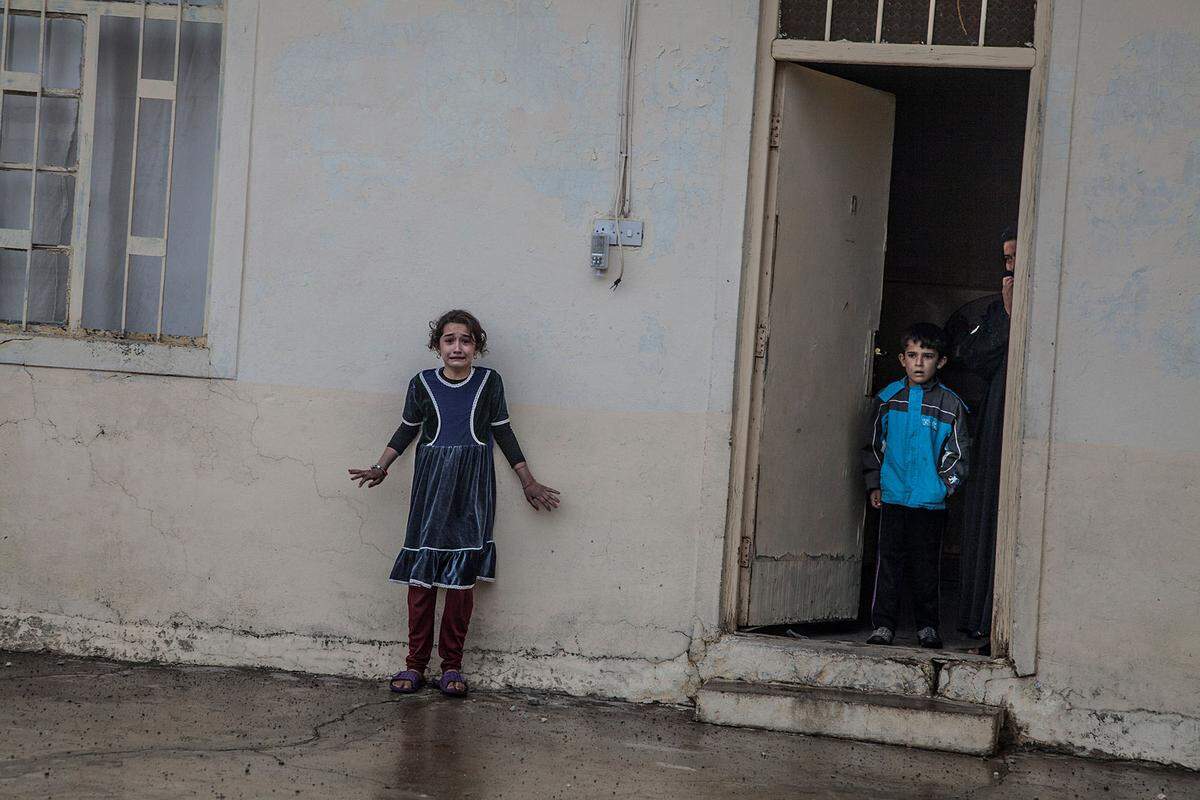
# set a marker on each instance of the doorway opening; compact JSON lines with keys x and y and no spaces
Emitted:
{"x":890,"y":187}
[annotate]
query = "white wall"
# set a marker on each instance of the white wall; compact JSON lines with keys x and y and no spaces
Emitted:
{"x":1112,"y":384}
{"x":408,"y":158}
{"x":1121,"y":572}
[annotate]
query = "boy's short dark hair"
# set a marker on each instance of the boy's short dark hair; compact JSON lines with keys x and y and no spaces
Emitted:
{"x":924,"y":334}
{"x":438,"y":326}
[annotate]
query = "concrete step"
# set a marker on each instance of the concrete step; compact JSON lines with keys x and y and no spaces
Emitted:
{"x":755,"y":658}
{"x":926,"y":722}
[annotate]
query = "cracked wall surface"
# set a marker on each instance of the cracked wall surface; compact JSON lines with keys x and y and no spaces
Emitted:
{"x":455,"y":155}
{"x":183,"y":518}
{"x":1118,"y":648}
{"x":406,"y":160}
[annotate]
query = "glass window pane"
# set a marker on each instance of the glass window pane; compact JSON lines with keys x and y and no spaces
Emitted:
{"x":16,"y":128}
{"x":853,"y":20}
{"x":64,"y":53}
{"x":192,"y":180}
{"x":14,"y":199}
{"x":956,"y":22}
{"x":23,"y":54}
{"x":48,"y":274}
{"x":158,"y":53}
{"x":59,"y":145}
{"x":905,"y":21}
{"x":55,"y":209}
{"x":116,"y":93}
{"x":141,"y":314}
{"x":802,"y":19}
{"x":12,"y":284}
{"x":150,"y":190}
{"x":1009,"y":23}
{"x":191,"y":190}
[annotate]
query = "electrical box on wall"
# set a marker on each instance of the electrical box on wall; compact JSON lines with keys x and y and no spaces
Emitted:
{"x":599,"y":252}
{"x":631,"y":231}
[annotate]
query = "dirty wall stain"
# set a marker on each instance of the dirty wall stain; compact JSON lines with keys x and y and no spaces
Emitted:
{"x":459,"y":88}
{"x":384,"y":104}
{"x":1141,"y":190}
{"x":684,"y":98}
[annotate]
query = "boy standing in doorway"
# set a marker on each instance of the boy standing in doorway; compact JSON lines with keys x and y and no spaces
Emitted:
{"x":916,"y":458}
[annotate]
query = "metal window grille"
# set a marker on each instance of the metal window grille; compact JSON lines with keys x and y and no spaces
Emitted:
{"x":932,"y":22}
{"x":50,"y":58}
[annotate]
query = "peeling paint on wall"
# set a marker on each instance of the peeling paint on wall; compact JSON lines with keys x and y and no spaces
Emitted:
{"x":685,"y":96}
{"x":1143,"y":193}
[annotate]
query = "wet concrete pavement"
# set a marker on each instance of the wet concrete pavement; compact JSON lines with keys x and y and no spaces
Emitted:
{"x":85,"y":728}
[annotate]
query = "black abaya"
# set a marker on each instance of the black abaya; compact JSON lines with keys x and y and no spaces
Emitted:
{"x":984,"y":351}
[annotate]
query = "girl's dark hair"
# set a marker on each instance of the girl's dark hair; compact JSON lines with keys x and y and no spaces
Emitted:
{"x":438,"y":327}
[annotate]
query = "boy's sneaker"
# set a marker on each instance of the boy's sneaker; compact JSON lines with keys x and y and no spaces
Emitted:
{"x":928,"y":637}
{"x":881,"y":635}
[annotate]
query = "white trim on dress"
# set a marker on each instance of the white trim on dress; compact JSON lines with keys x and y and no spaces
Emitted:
{"x":463,"y":382}
{"x":450,"y":549}
{"x":441,"y":585}
{"x":475,"y":403}
{"x":433,"y":400}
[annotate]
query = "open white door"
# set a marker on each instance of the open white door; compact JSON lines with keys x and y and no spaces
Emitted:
{"x":833,"y":170}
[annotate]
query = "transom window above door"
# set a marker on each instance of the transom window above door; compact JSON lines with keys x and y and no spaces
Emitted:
{"x":986,"y":23}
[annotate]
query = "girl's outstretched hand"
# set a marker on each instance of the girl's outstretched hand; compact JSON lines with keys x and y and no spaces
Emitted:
{"x":371,"y":476}
{"x":540,"y":496}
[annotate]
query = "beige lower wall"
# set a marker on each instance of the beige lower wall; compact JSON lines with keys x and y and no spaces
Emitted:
{"x":141,"y":501}
{"x":1121,"y":578}
{"x":211,"y":522}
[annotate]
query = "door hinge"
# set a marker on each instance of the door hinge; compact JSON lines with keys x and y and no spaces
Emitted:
{"x":760,"y":340}
{"x":776,"y":129}
{"x":872,"y":354}
{"x":744,"y":552}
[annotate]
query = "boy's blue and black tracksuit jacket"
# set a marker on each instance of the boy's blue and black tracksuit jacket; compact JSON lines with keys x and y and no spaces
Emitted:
{"x":917,"y":456}
{"x":918,"y":450}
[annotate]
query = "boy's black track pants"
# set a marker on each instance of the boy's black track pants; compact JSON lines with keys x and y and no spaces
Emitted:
{"x":910,"y":550}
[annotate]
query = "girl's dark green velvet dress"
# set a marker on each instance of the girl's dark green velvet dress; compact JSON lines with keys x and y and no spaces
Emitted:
{"x":448,"y":542}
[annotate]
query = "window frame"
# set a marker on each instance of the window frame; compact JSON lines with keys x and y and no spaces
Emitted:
{"x":213,"y":355}
{"x":959,"y":55}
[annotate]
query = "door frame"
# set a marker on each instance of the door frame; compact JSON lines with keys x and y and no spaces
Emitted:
{"x":1014,"y":624}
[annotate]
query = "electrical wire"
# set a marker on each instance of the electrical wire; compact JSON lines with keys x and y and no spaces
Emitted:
{"x":621,"y":201}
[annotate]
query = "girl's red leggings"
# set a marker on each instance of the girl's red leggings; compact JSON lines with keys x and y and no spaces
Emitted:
{"x":456,"y":616}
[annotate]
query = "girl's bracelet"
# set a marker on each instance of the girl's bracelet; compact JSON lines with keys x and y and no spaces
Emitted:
{"x":527,"y":485}
{"x":379,"y":467}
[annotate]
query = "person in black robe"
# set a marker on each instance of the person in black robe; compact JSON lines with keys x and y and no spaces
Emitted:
{"x":983,"y":350}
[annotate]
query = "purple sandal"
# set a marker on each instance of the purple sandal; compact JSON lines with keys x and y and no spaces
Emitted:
{"x":412,"y":676}
{"x":449,"y":677}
